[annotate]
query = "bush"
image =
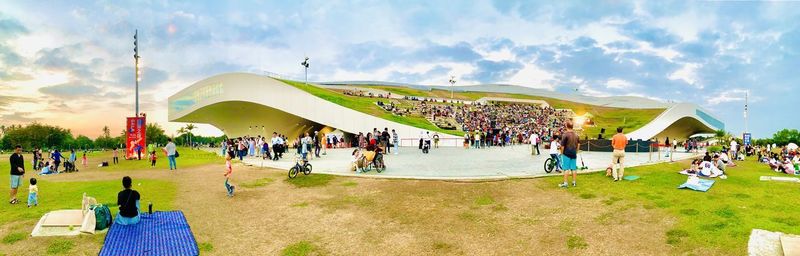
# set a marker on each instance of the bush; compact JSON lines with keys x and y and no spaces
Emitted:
{"x":715,"y":149}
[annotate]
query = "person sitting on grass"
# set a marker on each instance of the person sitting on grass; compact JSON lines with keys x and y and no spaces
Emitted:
{"x":128,"y":201}
{"x":48,"y":169}
{"x":709,"y":169}
{"x":788,"y":167}
{"x":719,"y":163}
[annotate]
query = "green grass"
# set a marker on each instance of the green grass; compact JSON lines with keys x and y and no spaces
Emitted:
{"x":188,"y":158}
{"x":301,"y":248}
{"x":484,"y":200}
{"x":205,"y":247}
{"x":604,"y":117}
{"x":60,"y":246}
{"x":721,"y":218}
{"x":55,"y":195}
{"x":349,"y":184}
{"x":576,"y":242}
{"x":313,"y":180}
{"x":366,"y":105}
{"x":14,"y":237}
{"x":257,"y":183}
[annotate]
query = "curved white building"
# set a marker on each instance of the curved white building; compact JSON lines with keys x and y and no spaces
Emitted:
{"x":248,"y":104}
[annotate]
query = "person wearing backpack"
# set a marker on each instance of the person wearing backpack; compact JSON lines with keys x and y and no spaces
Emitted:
{"x":128,"y":202}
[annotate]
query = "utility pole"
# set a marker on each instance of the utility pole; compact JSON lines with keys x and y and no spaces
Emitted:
{"x":138,"y":71}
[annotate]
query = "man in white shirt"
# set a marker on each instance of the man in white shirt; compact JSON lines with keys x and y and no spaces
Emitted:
{"x":734,"y":148}
{"x":171,"y":151}
{"x":535,"y":143}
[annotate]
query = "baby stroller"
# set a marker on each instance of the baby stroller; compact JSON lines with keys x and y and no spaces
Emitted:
{"x":426,"y":147}
{"x":69,"y":167}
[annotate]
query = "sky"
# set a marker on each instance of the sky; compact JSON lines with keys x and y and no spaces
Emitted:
{"x":70,"y":63}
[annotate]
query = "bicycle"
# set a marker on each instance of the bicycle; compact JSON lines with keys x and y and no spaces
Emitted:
{"x":305,"y":168}
{"x":551,"y":164}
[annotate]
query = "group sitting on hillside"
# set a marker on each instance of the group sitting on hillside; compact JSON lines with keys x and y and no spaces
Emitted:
{"x":788,"y":163}
{"x":709,"y":166}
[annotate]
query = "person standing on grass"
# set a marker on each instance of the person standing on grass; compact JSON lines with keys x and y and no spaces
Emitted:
{"x":17,"y":171}
{"x":228,"y":173}
{"x":619,"y":141}
{"x":116,"y":155}
{"x":153,"y":158}
{"x":569,"y":155}
{"x":85,"y":163}
{"x":171,"y":149}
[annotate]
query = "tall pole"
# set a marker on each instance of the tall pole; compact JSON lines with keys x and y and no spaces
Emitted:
{"x":138,"y":73}
{"x":746,"y":98}
{"x":452,"y":83}
{"x":305,"y":65}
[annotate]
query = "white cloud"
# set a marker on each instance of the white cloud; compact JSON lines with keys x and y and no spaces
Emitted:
{"x":687,"y":73}
{"x":618,"y":84}
{"x":533,"y":76}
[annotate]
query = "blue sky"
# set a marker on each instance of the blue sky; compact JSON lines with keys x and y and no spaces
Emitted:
{"x":67,"y":61}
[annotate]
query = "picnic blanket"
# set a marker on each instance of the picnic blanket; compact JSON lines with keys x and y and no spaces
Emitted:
{"x":698,"y":185}
{"x":160,"y":233}
{"x":630,"y":177}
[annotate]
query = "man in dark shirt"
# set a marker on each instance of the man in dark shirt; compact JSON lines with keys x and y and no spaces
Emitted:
{"x":56,"y":156}
{"x":569,"y":154}
{"x":128,"y":201}
{"x":385,"y":139}
{"x":17,"y":171}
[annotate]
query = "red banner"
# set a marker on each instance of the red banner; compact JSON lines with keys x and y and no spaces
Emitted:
{"x":136,"y":146}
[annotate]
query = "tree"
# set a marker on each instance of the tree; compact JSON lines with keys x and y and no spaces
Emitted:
{"x":83,"y":142}
{"x":786,"y":136}
{"x":106,"y":132}
{"x":189,"y":128}
{"x":181,"y":132}
{"x":155,"y":134}
{"x":36,"y":135}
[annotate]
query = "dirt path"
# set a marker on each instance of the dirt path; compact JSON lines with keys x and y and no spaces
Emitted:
{"x":353,"y":216}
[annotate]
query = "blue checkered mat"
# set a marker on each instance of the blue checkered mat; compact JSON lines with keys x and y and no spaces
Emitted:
{"x":160,"y":233}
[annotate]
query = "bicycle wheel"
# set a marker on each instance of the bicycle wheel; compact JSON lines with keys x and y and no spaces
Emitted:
{"x":293,"y":172}
{"x":307,"y":169}
{"x":549,"y":165}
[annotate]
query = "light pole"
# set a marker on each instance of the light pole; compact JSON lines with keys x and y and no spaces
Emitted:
{"x":305,"y":65}
{"x":452,"y":83}
{"x":138,"y":73}
{"x":746,"y":98}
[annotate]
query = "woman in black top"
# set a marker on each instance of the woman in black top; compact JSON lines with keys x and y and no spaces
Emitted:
{"x":128,"y":201}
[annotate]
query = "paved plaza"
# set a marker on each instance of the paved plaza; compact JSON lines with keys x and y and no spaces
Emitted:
{"x":458,"y":163}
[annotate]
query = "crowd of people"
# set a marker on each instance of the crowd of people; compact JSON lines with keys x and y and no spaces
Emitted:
{"x":785,"y":160}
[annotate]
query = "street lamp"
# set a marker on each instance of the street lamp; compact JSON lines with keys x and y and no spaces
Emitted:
{"x":452,"y":83}
{"x":305,"y":65}
{"x":138,"y":73}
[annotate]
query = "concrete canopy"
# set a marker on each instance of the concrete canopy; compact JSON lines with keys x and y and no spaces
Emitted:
{"x":240,"y":104}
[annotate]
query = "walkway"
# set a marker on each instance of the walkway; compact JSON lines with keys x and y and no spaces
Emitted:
{"x":457,"y":163}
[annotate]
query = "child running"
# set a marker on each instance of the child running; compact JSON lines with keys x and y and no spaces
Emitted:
{"x":228,"y":173}
{"x":33,"y":191}
{"x":153,"y":158}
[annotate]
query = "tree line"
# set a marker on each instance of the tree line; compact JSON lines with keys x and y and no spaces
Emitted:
{"x":51,"y":137}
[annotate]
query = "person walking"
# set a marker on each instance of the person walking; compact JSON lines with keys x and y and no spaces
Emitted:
{"x":569,"y":155}
{"x":619,"y":142}
{"x":395,"y":142}
{"x":17,"y":172}
{"x":435,"y":140}
{"x":171,"y":151}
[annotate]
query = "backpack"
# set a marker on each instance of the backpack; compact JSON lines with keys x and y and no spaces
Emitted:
{"x":102,"y":216}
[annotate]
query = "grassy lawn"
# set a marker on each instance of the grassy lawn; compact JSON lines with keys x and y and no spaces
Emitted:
{"x":720,"y":219}
{"x":604,"y":117}
{"x":368,"y":106}
{"x":188,"y":158}
{"x":17,"y":221}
